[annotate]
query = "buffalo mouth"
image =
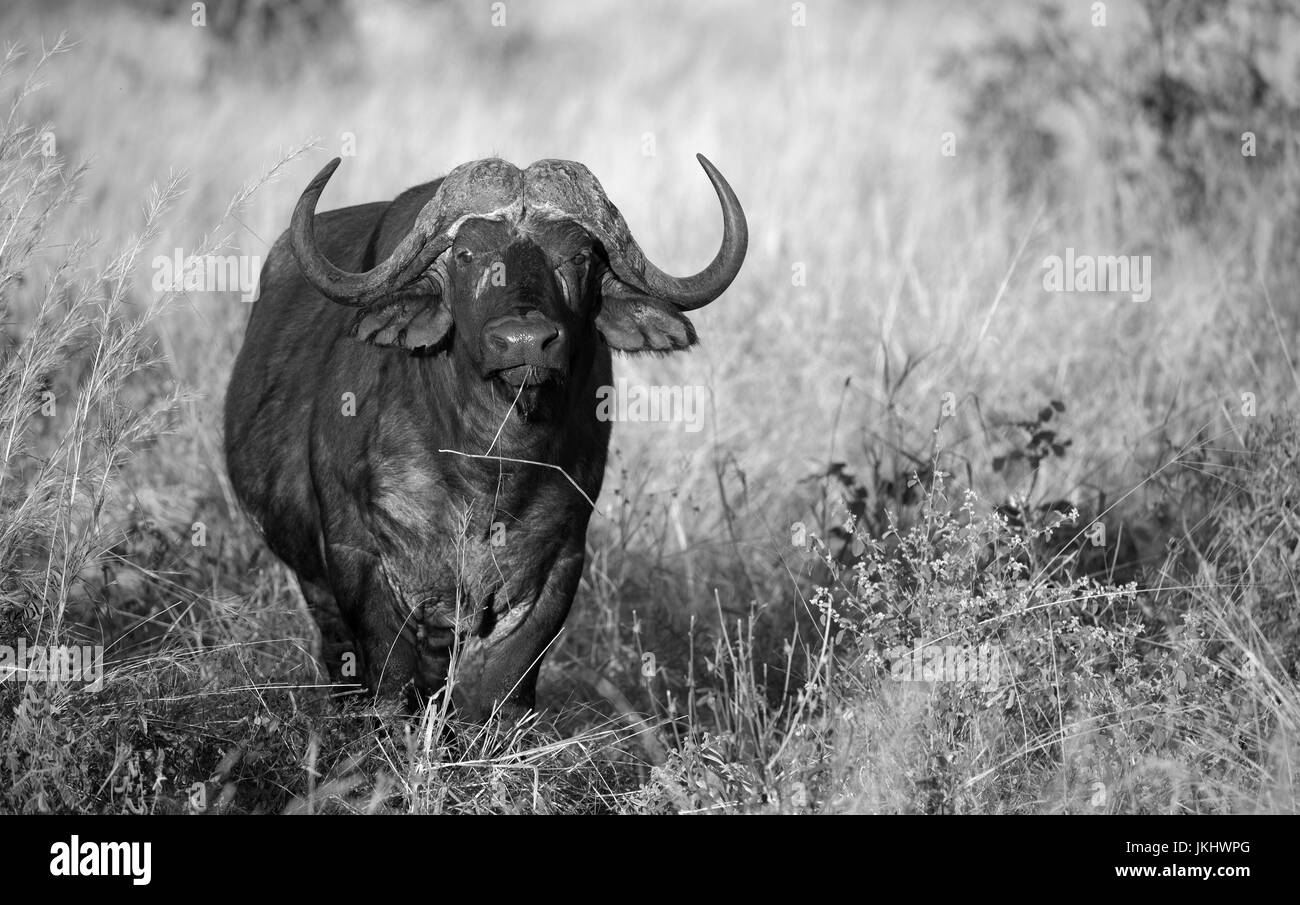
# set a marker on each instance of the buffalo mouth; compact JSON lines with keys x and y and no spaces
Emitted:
{"x":528,"y":377}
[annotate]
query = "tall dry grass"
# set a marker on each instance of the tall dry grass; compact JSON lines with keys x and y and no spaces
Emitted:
{"x":766,"y":690}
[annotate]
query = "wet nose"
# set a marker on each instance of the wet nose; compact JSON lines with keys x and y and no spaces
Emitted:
{"x":528,"y":339}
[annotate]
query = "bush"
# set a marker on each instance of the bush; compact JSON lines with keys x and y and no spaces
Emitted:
{"x":1145,"y":116}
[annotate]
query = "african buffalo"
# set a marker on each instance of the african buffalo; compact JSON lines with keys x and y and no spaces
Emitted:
{"x":412,"y":420}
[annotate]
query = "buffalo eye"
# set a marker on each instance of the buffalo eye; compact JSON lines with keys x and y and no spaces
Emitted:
{"x":580,"y":258}
{"x":465,"y":256}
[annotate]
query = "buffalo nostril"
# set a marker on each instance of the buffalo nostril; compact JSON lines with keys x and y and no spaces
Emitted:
{"x":530,"y":339}
{"x":522,"y":335}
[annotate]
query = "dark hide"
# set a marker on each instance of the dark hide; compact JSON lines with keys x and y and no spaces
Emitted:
{"x":390,"y":539}
{"x":335,"y":418}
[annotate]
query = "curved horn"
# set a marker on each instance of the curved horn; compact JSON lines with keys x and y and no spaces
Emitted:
{"x":412,"y":256}
{"x":696,"y":291}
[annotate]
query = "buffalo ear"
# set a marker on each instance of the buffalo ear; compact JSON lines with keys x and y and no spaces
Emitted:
{"x":413,"y":319}
{"x":632,"y":321}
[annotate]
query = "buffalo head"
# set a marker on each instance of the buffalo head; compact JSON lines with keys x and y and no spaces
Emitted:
{"x":510,"y":270}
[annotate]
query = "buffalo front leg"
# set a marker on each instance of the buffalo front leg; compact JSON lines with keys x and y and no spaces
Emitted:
{"x":379,"y":619}
{"x":337,"y":649}
{"x":497,"y":673}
